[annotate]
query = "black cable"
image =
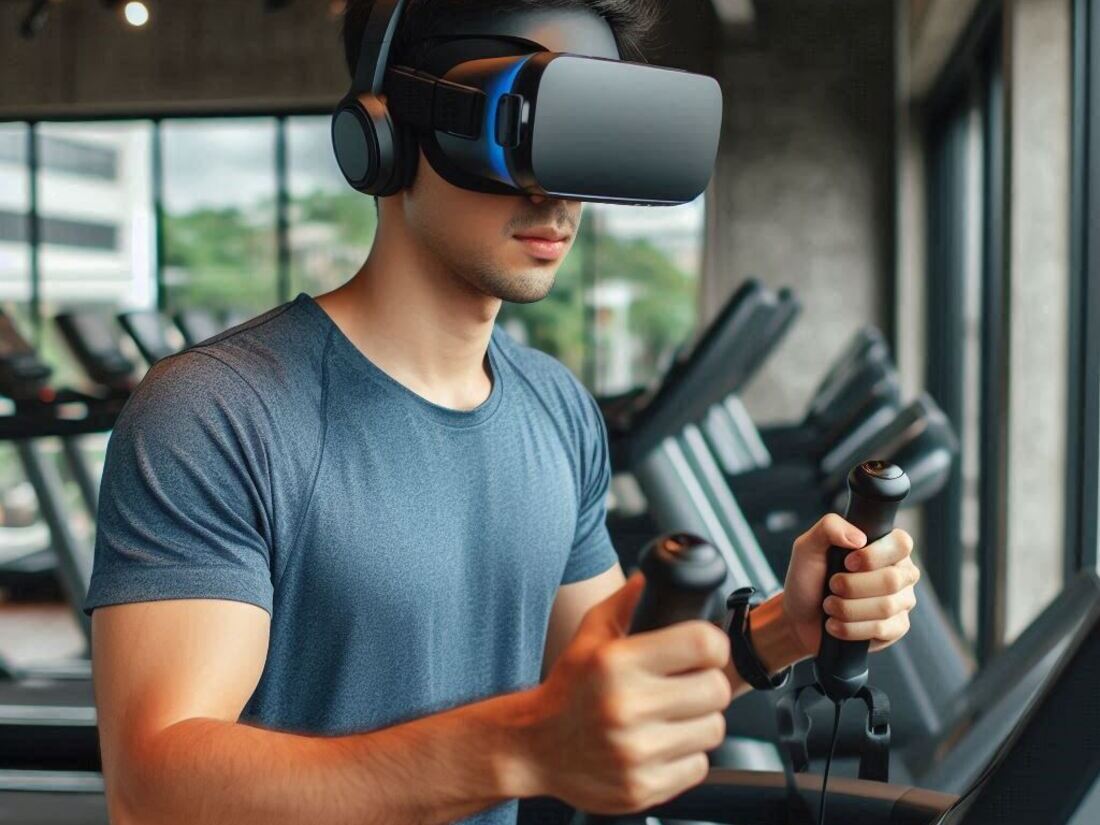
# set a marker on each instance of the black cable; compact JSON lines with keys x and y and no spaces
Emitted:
{"x":829,"y":762}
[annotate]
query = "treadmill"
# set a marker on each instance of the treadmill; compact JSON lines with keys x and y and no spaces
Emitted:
{"x":152,"y":333}
{"x":1046,"y":770}
{"x":963,"y":727}
{"x":47,"y":715}
{"x":686,"y":489}
{"x":783,"y":500}
{"x":197,"y":325}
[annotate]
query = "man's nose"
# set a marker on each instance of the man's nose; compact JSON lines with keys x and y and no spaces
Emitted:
{"x":539,"y":199}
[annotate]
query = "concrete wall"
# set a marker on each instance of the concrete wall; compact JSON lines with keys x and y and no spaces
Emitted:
{"x":802,"y":195}
{"x":202,"y":54}
{"x":216,"y":56}
{"x":1038,"y":84}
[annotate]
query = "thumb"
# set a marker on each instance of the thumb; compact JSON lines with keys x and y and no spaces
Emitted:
{"x":611,"y":618}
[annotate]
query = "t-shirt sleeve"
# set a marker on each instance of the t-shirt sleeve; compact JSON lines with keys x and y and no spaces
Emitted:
{"x":185,"y":499}
{"x":593,"y":552}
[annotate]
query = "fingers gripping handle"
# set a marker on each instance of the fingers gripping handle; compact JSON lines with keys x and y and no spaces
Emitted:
{"x":875,"y":490}
{"x":682,"y":573}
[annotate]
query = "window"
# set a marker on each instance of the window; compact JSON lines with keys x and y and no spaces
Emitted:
{"x":1083,"y":438}
{"x":15,"y":253}
{"x":250,"y":211}
{"x":219,"y":215}
{"x":649,"y":259}
{"x":625,"y":297}
{"x":17,"y":501}
{"x":330,"y":225}
{"x":955,"y":332}
{"x":96,"y":225}
{"x":998,"y":300}
{"x":92,"y":235}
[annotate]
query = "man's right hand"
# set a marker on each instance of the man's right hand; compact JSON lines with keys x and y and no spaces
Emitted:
{"x":624,"y":722}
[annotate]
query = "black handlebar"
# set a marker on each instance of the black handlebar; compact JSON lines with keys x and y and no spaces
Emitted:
{"x":875,"y":489}
{"x":682,"y":574}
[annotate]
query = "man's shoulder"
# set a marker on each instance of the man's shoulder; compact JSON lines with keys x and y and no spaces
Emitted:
{"x":269,"y":362}
{"x":280,"y":346}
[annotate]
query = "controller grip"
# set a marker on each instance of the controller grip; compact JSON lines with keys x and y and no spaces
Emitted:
{"x":682,"y":574}
{"x":876,"y":489}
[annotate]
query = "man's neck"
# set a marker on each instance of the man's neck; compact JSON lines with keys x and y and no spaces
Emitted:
{"x":421,"y":325}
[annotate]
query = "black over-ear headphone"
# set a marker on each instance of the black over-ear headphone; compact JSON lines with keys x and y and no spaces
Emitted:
{"x":377,"y":156}
{"x":536,"y":101}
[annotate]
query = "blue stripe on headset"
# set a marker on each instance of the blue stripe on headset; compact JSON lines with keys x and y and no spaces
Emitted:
{"x":501,"y":86}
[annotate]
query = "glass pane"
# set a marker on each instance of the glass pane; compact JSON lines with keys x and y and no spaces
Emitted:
{"x":556,"y":324}
{"x":644,"y":302}
{"x":95,"y":196}
{"x":970,"y":424}
{"x":15,"y":279}
{"x":624,"y":299}
{"x":20,"y":531}
{"x":219,"y":215}
{"x":331,"y":225}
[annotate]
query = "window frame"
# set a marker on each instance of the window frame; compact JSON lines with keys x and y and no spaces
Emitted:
{"x":1083,"y":425}
{"x":977,"y":59}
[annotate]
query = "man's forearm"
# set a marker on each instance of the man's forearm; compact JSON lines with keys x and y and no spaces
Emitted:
{"x":432,"y":770}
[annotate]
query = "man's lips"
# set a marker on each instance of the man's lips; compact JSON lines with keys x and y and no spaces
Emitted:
{"x":547,"y":249}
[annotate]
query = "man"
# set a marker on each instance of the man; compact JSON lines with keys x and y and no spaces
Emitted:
{"x":352,"y":564}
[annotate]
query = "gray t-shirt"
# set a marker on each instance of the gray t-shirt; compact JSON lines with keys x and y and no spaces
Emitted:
{"x":408,"y":554}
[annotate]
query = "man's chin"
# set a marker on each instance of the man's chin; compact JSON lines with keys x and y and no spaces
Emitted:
{"x":522,"y":287}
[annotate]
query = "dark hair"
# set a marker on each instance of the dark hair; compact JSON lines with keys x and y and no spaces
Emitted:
{"x":631,"y":21}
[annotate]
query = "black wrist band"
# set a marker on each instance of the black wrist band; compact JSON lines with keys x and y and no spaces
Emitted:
{"x":745,"y":658}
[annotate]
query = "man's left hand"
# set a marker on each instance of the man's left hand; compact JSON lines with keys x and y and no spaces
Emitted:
{"x":871,"y":601}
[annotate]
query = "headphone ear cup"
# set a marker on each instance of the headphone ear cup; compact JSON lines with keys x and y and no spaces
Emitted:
{"x":364,"y":139}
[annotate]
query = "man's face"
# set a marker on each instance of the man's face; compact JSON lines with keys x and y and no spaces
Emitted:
{"x":480,"y":237}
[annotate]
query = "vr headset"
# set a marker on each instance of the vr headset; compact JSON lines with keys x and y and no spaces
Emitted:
{"x":532,"y":102}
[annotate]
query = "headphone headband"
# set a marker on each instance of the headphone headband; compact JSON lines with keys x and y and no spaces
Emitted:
{"x":374,"y":50}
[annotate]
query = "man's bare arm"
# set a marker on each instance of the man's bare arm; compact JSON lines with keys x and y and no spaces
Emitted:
{"x":570,"y":604}
{"x":171,"y":680}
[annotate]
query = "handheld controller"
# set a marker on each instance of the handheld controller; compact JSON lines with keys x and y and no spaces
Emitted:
{"x":682,"y":575}
{"x":875,"y":490}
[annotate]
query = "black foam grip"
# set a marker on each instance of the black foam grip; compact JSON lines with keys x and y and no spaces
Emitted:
{"x":875,"y":491}
{"x":664,"y":606}
{"x":682,"y":573}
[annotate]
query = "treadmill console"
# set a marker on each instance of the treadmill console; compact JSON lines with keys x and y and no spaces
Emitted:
{"x":95,"y":345}
{"x":22,"y":374}
{"x":150,"y":331}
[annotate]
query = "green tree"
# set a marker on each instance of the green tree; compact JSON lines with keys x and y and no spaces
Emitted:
{"x":225,"y":259}
{"x":219,"y":259}
{"x":661,"y":315}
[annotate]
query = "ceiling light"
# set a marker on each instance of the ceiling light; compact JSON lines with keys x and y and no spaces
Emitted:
{"x":136,"y":14}
{"x":735,"y":12}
